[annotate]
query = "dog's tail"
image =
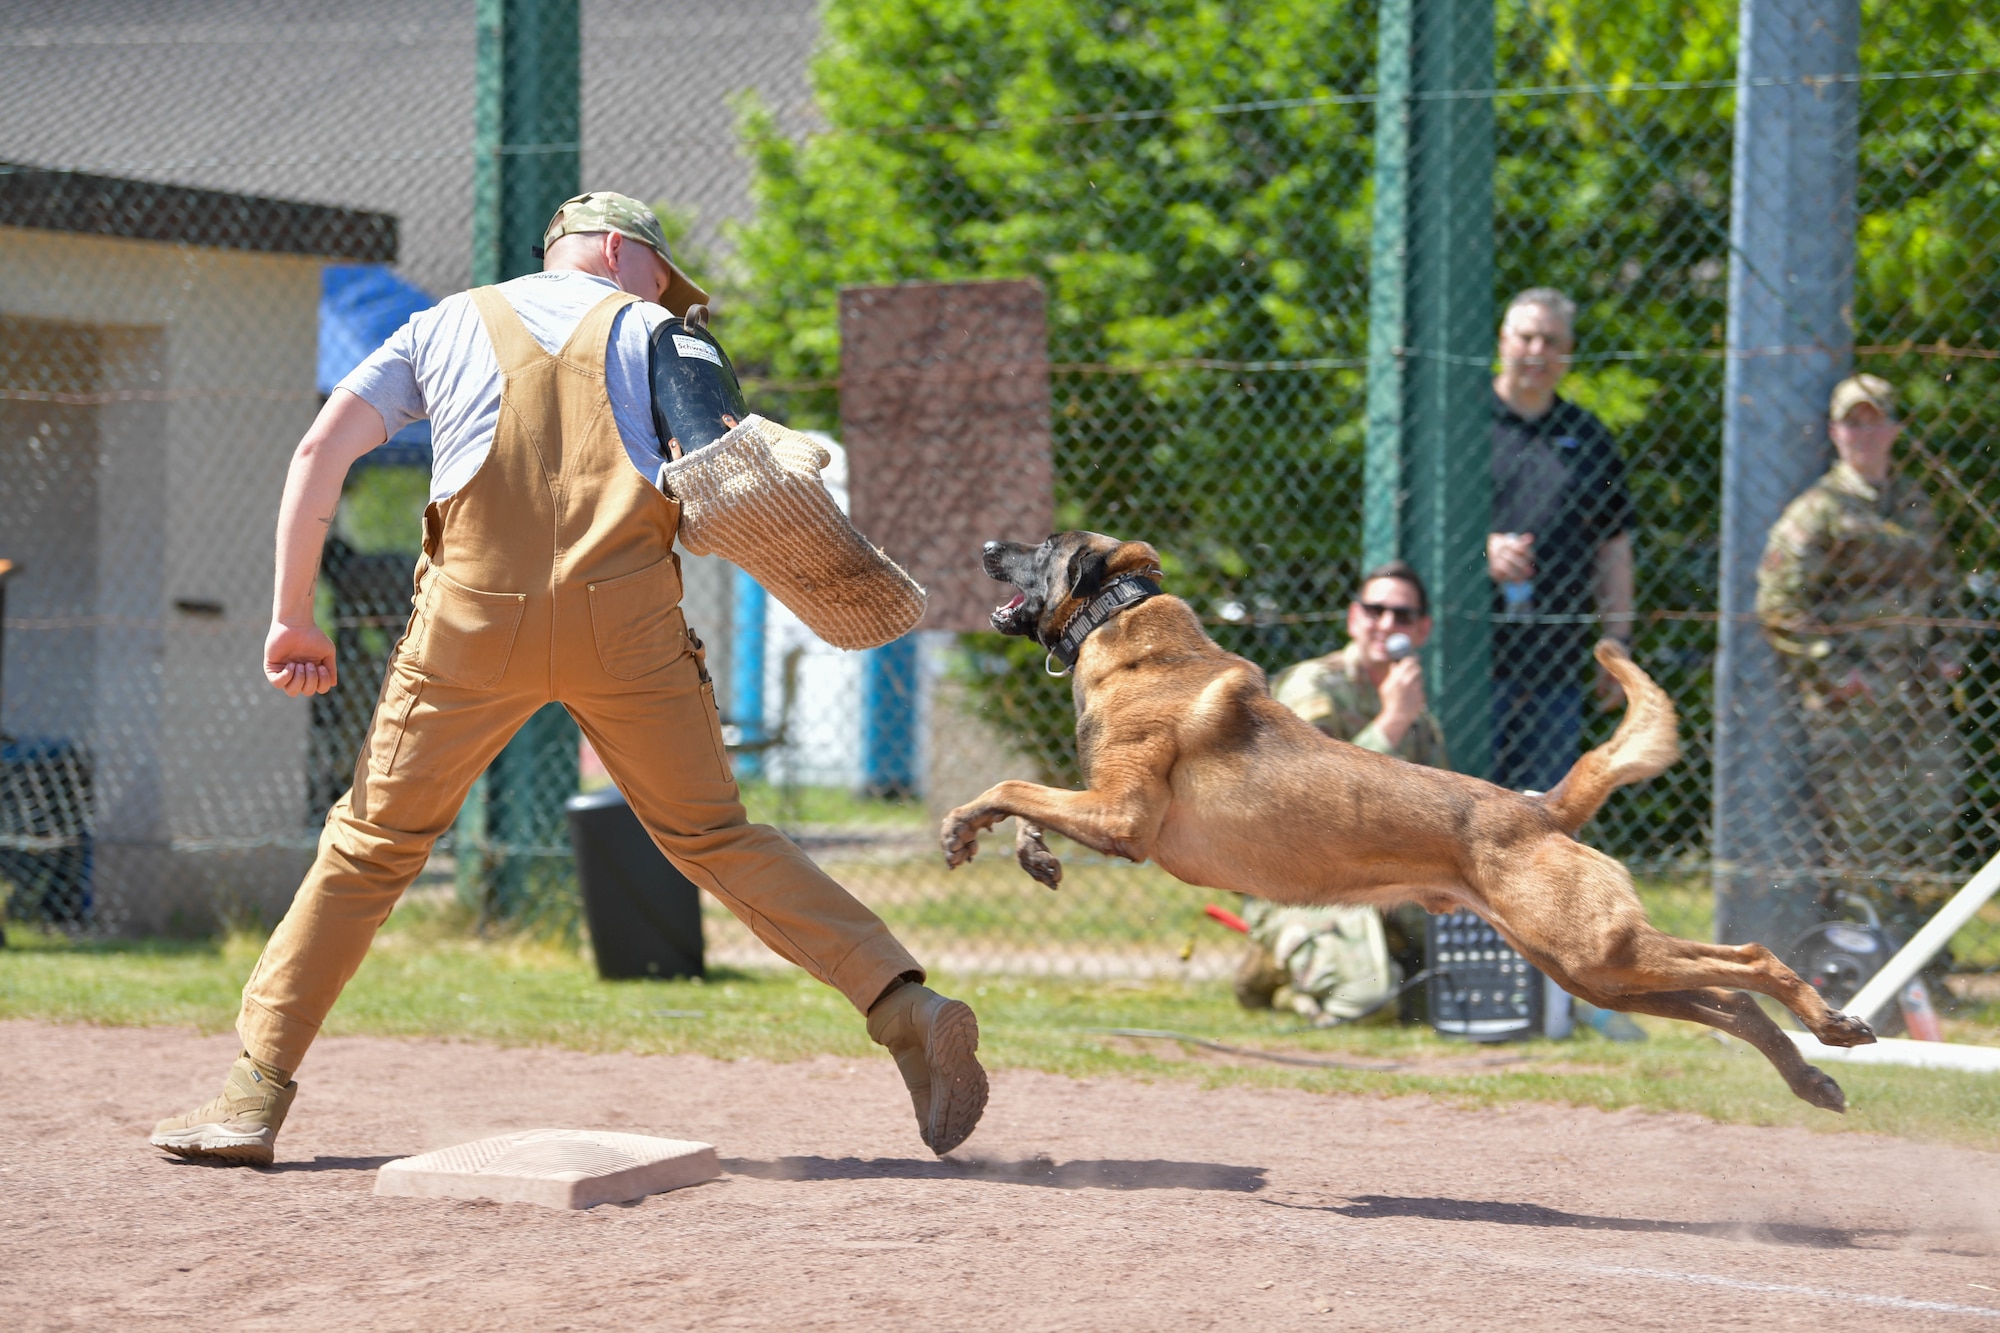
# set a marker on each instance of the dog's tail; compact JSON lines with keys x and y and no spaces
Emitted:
{"x":1644,"y":744}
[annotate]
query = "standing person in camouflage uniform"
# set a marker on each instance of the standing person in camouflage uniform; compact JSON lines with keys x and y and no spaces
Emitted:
{"x":1336,"y":960}
{"x":1850,"y":571}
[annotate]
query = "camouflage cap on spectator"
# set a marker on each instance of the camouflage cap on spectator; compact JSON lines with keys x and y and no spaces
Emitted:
{"x":1855,"y":390}
{"x":604,"y":210}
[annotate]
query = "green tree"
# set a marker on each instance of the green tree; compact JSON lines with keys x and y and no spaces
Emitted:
{"x":1188,"y":182}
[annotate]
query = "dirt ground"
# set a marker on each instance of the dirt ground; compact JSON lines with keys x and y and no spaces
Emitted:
{"x":1077,"y":1205}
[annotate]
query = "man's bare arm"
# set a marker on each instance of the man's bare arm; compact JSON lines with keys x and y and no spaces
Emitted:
{"x":1614,"y":587}
{"x":298,"y":658}
{"x":1614,"y":607}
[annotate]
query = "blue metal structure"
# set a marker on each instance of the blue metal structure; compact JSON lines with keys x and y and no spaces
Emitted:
{"x":889,"y":718}
{"x":746,"y":672}
{"x":360,"y":305}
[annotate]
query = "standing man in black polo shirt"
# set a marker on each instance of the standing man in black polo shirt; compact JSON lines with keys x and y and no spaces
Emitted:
{"x":1560,"y":552}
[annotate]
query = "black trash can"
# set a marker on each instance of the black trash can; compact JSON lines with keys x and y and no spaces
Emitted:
{"x":644,"y":915}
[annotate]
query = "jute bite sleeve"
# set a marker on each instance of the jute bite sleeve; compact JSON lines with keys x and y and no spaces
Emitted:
{"x":755,"y":498}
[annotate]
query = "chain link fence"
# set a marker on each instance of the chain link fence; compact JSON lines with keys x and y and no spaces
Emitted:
{"x":1193,"y":190}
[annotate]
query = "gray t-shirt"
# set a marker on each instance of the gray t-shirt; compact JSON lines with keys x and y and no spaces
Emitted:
{"x":441,"y":365}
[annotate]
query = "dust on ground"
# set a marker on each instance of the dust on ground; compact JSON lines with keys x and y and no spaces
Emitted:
{"x":1089,"y":1204}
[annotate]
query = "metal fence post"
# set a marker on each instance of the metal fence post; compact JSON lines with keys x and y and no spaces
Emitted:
{"x":1430,"y":341}
{"x":1790,"y":339}
{"x":526,"y":161}
{"x":526,"y":154}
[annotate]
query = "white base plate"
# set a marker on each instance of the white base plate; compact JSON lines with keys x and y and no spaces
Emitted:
{"x":557,"y":1168}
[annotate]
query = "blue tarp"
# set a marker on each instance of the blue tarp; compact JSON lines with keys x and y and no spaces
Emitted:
{"x":360,"y":305}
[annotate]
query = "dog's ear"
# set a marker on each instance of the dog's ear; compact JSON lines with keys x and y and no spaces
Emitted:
{"x":1089,"y":567}
{"x":1131,"y":558}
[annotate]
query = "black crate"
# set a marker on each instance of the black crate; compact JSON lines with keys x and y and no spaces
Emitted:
{"x":1479,"y":987}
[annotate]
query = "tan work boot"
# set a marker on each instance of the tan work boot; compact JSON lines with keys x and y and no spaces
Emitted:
{"x":241,"y":1125}
{"x":934,"y":1040}
{"x":1258,"y":977}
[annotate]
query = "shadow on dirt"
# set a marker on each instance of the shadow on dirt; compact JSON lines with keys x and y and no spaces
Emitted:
{"x":1082,"y":1175}
{"x":337,"y":1164}
{"x":316,"y":1164}
{"x":1535,"y":1215}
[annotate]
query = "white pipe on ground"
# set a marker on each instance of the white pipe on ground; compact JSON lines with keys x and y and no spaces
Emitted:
{"x":1901,"y":1051}
{"x":1883,"y":987}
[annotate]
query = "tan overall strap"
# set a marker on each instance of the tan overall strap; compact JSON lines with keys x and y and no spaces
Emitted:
{"x":516,"y":349}
{"x":591,"y":340}
{"x":513,"y":346}
{"x":531,"y":399}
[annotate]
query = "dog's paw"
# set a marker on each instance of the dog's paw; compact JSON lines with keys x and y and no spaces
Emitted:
{"x":1814,"y":1086}
{"x":961,"y":844}
{"x":1035,"y":857}
{"x":960,"y":839}
{"x":1844,"y":1030}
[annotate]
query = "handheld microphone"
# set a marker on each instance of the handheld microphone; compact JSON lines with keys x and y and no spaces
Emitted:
{"x":1398,"y":646}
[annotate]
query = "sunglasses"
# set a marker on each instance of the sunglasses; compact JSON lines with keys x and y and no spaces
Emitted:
{"x":1403,"y":615}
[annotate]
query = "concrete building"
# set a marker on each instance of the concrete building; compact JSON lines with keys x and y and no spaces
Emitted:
{"x":369,"y":103}
{"x":157,"y":355}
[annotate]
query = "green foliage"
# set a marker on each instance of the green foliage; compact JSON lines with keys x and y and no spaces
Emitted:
{"x":979,"y":141}
{"x":1185,"y":235}
{"x":382,"y":509}
{"x":677,"y":225}
{"x":1010,"y":688}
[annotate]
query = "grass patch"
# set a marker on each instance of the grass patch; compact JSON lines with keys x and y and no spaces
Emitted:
{"x":428,"y":975}
{"x":992,"y":903}
{"x":803,"y":806}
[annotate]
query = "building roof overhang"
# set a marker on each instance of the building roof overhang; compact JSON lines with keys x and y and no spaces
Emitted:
{"x":84,"y":204}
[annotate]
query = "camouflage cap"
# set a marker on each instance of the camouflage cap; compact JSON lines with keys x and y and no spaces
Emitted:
{"x":1855,"y":390}
{"x":604,"y":210}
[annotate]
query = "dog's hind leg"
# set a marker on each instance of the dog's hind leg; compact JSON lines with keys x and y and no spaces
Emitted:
{"x":1656,"y":962}
{"x":1576,"y":907}
{"x":1738,"y":1015}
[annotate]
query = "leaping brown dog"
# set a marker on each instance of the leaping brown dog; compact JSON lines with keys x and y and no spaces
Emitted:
{"x":1191,"y":764}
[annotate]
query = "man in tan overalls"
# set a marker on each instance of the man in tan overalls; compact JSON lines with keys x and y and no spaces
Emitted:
{"x":548,"y":574}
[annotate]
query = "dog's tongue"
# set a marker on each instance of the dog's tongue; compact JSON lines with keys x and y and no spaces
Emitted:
{"x":1019,"y":598}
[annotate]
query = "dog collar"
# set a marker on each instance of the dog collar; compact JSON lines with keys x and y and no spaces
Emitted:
{"x":1127,"y":590}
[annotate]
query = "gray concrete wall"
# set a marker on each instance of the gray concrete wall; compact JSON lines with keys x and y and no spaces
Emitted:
{"x":204,"y":385}
{"x":368,"y":104}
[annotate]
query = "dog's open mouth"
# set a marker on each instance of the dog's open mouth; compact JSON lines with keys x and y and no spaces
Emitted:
{"x":1006,"y":616}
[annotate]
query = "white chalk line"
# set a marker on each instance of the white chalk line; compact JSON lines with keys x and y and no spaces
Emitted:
{"x":1477,"y":1255}
{"x":1790,"y":1289}
{"x":1745,"y":1284}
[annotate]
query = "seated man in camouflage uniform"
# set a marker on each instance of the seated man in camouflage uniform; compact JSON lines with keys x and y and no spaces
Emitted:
{"x":1851,"y":572}
{"x":1336,"y":961}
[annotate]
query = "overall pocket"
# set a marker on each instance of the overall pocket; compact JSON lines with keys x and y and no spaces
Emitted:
{"x":468,"y":634}
{"x":391,"y":723}
{"x":636,"y":621}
